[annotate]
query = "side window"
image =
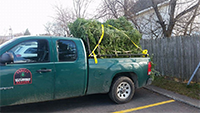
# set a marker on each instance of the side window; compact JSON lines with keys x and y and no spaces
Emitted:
{"x":66,"y":50}
{"x":31,"y":51}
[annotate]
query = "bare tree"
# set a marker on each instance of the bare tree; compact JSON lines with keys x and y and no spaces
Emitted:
{"x":190,"y":22}
{"x":64,"y":16}
{"x":160,"y":18}
{"x":167,"y":28}
{"x":115,"y":9}
{"x":55,"y":29}
{"x":80,"y":8}
{"x":5,"y":36}
{"x":2,"y":39}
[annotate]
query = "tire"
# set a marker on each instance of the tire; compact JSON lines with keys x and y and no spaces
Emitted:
{"x":122,"y":90}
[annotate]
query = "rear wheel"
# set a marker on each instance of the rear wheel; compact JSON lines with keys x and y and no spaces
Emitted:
{"x":122,"y":90}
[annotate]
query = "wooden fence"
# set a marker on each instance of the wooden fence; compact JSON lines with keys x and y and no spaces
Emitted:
{"x":176,"y":56}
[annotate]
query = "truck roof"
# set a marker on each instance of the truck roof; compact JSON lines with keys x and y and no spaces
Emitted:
{"x":47,"y":37}
{"x":37,"y":37}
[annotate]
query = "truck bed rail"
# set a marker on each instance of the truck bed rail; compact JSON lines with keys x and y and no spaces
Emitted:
{"x":118,"y":55}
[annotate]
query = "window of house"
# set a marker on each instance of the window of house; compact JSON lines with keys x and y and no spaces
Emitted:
{"x":66,"y":50}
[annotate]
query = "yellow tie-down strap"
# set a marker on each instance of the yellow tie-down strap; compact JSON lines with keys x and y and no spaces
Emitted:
{"x":144,"y":52}
{"x":95,"y":57}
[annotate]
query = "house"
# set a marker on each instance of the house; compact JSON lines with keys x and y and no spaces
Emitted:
{"x":146,"y":18}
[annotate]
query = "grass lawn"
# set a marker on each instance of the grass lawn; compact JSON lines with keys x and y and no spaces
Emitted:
{"x":175,"y":85}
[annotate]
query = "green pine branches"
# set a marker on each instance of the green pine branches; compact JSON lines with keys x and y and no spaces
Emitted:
{"x":114,"y":42}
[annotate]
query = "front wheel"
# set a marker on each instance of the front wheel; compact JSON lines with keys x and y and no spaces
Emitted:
{"x":122,"y":90}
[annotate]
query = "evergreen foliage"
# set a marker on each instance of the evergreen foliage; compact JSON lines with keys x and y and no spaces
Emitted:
{"x":27,"y":32}
{"x":114,"y":42}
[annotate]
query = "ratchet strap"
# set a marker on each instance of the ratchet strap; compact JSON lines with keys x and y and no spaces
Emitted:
{"x":144,"y":52}
{"x":95,"y":57}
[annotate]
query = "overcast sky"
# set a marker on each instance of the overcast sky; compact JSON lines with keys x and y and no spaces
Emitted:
{"x":31,"y":14}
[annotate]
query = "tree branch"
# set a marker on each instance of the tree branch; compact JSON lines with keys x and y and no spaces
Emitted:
{"x":171,"y":21}
{"x":190,"y":21}
{"x":161,"y":22}
{"x":186,"y":11}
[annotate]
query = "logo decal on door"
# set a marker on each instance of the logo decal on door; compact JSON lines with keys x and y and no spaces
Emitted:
{"x":22,"y":76}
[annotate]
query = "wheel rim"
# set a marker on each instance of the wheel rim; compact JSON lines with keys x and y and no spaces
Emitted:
{"x":123,"y":90}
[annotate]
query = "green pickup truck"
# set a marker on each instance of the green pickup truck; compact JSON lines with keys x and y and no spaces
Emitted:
{"x":43,"y":68}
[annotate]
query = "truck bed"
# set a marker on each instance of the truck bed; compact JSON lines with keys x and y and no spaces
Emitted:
{"x":101,"y":74}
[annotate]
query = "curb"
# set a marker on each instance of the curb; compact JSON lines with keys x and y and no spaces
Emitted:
{"x":175,"y":96}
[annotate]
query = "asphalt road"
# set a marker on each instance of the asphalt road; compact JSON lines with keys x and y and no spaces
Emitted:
{"x":143,"y":101}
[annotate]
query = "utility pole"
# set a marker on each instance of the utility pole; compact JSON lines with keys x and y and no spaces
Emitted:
{"x":10,"y":33}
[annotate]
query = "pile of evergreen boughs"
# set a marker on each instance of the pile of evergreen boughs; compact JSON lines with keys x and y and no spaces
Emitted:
{"x":114,"y":42}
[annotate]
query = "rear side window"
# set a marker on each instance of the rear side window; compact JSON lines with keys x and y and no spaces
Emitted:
{"x":66,"y":50}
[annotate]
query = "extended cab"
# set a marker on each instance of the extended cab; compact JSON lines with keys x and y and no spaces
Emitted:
{"x":59,"y":67}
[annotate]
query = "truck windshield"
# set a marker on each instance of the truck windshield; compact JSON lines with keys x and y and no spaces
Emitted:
{"x":6,"y":43}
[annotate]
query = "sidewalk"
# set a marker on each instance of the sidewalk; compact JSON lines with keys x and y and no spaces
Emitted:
{"x":175,"y":96}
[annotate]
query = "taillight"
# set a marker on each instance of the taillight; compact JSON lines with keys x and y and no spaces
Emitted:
{"x":18,"y":55}
{"x":149,"y":69}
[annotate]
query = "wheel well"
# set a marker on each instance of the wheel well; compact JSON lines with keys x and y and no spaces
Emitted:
{"x":130,"y":75}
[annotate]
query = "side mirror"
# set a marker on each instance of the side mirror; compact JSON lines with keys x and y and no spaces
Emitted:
{"x":6,"y":58}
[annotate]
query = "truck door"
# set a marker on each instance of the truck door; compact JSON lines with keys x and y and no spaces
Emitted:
{"x":71,"y":79}
{"x":30,"y":78}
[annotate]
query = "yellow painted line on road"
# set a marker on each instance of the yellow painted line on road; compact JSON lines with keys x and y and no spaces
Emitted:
{"x":144,"y":107}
